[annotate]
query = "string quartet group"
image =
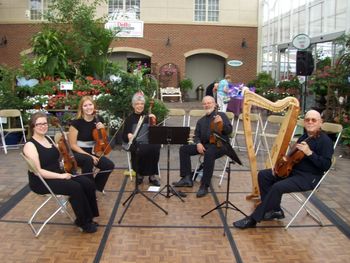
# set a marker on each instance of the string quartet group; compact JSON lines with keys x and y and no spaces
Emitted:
{"x":86,"y":146}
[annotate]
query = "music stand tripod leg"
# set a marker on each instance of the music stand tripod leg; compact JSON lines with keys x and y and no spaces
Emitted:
{"x":169,"y":188}
{"x":227,"y":202}
{"x":136,"y":191}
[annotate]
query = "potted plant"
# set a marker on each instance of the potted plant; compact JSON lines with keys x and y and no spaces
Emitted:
{"x":263,"y":83}
{"x":186,"y":85}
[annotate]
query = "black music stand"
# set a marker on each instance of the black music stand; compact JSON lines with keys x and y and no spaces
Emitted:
{"x":234,"y":159}
{"x":168,"y":135}
{"x":136,"y":191}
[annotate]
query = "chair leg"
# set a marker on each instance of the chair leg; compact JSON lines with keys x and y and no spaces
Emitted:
{"x":3,"y":142}
{"x":308,"y":209}
{"x":62,"y":207}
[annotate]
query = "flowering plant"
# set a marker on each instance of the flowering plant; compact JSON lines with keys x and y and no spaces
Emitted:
{"x":320,"y":81}
{"x":273,"y":95}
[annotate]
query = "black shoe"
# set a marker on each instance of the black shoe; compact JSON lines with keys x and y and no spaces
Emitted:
{"x":153,"y":181}
{"x":94,"y":223}
{"x":203,"y":191}
{"x":246,"y":222}
{"x":273,"y":215}
{"x":184,"y":182}
{"x":89,"y":228}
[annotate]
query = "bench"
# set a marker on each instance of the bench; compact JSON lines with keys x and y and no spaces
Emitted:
{"x":170,"y":92}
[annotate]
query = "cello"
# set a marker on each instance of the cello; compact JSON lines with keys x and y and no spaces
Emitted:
{"x":69,"y":162}
{"x":102,"y":146}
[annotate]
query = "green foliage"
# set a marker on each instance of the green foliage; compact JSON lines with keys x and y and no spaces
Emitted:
{"x":8,"y":97}
{"x":51,"y":56}
{"x":73,"y":43}
{"x":262,"y":83}
{"x":186,"y":84}
{"x":290,"y":84}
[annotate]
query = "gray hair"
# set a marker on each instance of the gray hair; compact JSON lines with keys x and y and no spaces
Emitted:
{"x":138,"y":97}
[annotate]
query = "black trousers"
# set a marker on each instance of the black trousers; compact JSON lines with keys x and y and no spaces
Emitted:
{"x":81,"y":192}
{"x":211,"y":154}
{"x":272,"y":188}
{"x":145,"y":158}
{"x":85,"y":162}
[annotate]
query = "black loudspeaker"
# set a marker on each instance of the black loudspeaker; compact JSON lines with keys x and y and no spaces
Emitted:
{"x":305,"y":63}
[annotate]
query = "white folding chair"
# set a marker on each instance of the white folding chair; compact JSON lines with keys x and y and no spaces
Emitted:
{"x":330,"y":128}
{"x":175,"y":114}
{"x":11,"y":122}
{"x":270,"y":129}
{"x":192,"y":118}
{"x":255,"y":120}
{"x":61,"y":201}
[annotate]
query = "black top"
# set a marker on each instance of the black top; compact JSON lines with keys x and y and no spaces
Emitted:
{"x":321,"y":158}
{"x":85,"y":128}
{"x":130,"y":126}
{"x":202,"y":131}
{"x":49,"y":157}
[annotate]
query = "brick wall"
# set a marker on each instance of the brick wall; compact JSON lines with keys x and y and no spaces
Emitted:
{"x":183,"y":38}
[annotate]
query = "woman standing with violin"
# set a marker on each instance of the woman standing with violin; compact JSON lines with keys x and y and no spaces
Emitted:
{"x":313,"y":154}
{"x":205,"y":143}
{"x":144,"y":156}
{"x":44,"y":153}
{"x":82,"y":142}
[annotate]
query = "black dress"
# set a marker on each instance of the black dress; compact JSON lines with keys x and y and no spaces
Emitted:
{"x":81,"y":191}
{"x":144,"y":156}
{"x":85,"y":161}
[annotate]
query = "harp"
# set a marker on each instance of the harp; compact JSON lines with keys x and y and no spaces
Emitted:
{"x":283,"y":138}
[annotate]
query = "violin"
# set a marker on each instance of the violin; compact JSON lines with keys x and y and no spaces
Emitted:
{"x":102,"y":146}
{"x":216,"y":128}
{"x":284,"y":165}
{"x":70,"y":164}
{"x":153,"y":119}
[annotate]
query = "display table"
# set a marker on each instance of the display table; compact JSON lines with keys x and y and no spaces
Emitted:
{"x":235,"y":105}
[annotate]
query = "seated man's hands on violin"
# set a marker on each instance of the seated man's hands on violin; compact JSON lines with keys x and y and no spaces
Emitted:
{"x":304,"y":147}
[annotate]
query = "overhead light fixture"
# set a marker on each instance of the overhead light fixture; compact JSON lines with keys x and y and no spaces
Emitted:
{"x":244,"y":43}
{"x":3,"y":41}
{"x":167,"y":42}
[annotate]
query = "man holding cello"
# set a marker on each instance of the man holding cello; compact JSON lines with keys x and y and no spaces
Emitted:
{"x":317,"y":150}
{"x":206,"y":144}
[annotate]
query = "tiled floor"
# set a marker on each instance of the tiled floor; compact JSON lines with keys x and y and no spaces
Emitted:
{"x":146,"y":234}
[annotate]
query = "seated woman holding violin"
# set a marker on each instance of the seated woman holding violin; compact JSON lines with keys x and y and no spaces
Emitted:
{"x":144,"y":156}
{"x":42,"y":150}
{"x":88,"y":140}
{"x":299,"y":171}
{"x":205,"y":143}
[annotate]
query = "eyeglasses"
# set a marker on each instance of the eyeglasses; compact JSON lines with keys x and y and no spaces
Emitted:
{"x":310,"y":120}
{"x":41,"y":124}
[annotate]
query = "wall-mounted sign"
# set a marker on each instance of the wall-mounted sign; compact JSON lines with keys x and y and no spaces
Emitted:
{"x":301,"y":41}
{"x":235,"y":63}
{"x":66,"y":85}
{"x":126,"y":28}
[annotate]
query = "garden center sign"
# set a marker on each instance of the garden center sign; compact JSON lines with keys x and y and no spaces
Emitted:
{"x":126,"y":28}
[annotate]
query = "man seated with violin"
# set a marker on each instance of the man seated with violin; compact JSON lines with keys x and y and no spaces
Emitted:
{"x":317,"y":150}
{"x":205,"y":143}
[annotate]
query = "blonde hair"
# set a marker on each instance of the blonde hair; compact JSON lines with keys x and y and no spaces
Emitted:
{"x":80,"y":113}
